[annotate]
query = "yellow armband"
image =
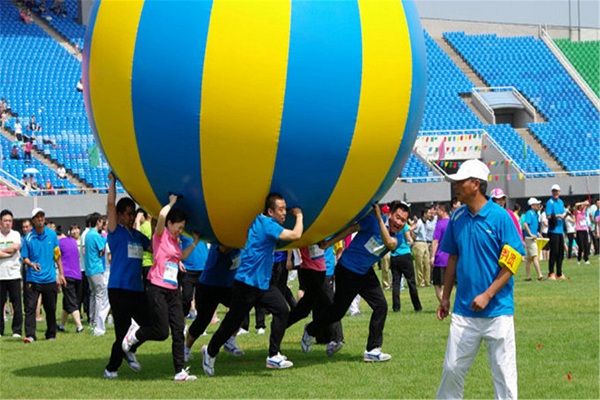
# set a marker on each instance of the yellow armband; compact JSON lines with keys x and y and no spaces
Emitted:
{"x":56,"y":253}
{"x":510,"y":258}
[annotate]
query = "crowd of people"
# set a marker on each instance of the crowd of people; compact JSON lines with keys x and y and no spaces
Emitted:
{"x":149,"y":276}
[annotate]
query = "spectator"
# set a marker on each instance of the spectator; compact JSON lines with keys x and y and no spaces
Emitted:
{"x":570,"y":231}
{"x":10,"y":272}
{"x":18,"y":130}
{"x":28,"y":148}
{"x":581,"y":227}
{"x":32,"y":129}
{"x":499,"y":197}
{"x":72,"y":289}
{"x":530,"y":232}
{"x":94,"y":271}
{"x":593,"y":213}
{"x":61,"y":171}
{"x":14,"y":153}
{"x":25,"y":15}
{"x":439,"y":259}
{"x":79,"y":86}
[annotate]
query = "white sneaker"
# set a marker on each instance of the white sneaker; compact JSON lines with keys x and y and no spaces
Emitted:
{"x":208,"y":362}
{"x":376,"y":355}
{"x":187,"y":354}
{"x":278,"y":361}
{"x":242,"y":331}
{"x":184,"y":375}
{"x":132,"y":361}
{"x":261,"y":331}
{"x":232,"y":347}
{"x":130,"y":339}
{"x":110,"y":375}
{"x":333,"y":347}
{"x":306,"y":342}
{"x":17,"y":336}
{"x":587,"y":263}
{"x":98,"y":332}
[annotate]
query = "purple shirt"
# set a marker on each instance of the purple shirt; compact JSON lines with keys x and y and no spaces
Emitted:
{"x":441,"y":258}
{"x":70,"y":258}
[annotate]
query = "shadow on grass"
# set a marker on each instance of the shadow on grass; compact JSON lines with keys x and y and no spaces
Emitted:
{"x":158,"y":365}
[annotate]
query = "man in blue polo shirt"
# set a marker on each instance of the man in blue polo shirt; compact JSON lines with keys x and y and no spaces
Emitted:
{"x":95,"y":245}
{"x":41,"y":257}
{"x":555,"y":211}
{"x":354,"y":275}
{"x":252,"y":286}
{"x":530,"y":233}
{"x":484,"y":306}
{"x":125,"y":286}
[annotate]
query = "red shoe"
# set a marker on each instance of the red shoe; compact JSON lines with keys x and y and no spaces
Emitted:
{"x":551,"y":276}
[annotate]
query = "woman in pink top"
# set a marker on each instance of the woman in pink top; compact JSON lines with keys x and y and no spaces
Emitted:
{"x":499,"y":197}
{"x":162,"y":294}
{"x":581,"y":230}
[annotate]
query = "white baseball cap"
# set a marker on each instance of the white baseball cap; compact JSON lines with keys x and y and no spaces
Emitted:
{"x":36,"y":211}
{"x":470,"y":169}
{"x":532,"y":201}
{"x":555,"y":187}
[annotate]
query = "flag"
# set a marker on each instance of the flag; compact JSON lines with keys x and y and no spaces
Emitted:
{"x":94,"y":156}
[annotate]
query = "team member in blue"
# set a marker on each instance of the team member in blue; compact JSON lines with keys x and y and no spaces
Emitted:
{"x":214,"y":289}
{"x":484,"y":306}
{"x":251,"y":285}
{"x":530,"y":233}
{"x":555,"y":211}
{"x":40,"y":254}
{"x":190,"y":279}
{"x":401,"y":263}
{"x":354,"y":275}
{"x":125,"y":286}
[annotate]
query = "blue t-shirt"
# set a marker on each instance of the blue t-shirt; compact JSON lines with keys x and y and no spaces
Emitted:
{"x":329,"y":261}
{"x":220,"y":268}
{"x":256,"y":264}
{"x":127,"y":249}
{"x":197,"y":258}
{"x":403,"y":247}
{"x":531,"y":219}
{"x":279,"y":256}
{"x":39,"y":248}
{"x":555,"y":207}
{"x":94,"y":244}
{"x":366,"y":248}
{"x":477,"y":240}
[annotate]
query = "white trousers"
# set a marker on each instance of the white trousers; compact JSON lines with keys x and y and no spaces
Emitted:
{"x":99,"y":305}
{"x":464,"y":340}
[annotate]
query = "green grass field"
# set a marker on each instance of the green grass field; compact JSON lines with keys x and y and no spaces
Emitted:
{"x":557,"y":328}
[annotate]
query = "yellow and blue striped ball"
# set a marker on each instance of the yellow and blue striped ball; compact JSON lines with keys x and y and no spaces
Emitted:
{"x":224,"y":101}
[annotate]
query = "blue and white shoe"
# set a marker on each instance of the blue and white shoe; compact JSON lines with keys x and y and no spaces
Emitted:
{"x":376,"y":355}
{"x":333,"y":347}
{"x":208,"y":362}
{"x":132,"y":361}
{"x":110,"y":375}
{"x":278,"y":361}
{"x":306,"y":342}
{"x":232,"y":347}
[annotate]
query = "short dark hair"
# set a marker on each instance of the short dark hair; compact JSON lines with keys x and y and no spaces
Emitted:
{"x":270,"y":201}
{"x":442,"y":205}
{"x":141,"y":210}
{"x":125,"y":203}
{"x":176,"y":215}
{"x":93,"y":219}
{"x":454,"y":201}
{"x":6,"y":212}
{"x":397,"y":204}
{"x":482,"y":186}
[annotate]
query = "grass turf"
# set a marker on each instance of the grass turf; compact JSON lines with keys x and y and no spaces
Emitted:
{"x":557,"y":329}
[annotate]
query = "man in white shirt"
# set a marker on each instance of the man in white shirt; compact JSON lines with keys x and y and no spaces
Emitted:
{"x":10,"y":271}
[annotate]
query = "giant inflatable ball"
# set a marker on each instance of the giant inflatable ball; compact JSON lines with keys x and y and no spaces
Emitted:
{"x":225,"y":101}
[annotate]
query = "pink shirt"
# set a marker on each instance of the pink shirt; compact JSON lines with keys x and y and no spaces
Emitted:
{"x":313,"y":258}
{"x":167,"y":255}
{"x":516,"y":222}
{"x":580,"y":221}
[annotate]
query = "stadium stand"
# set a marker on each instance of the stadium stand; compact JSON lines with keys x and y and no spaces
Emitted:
{"x":40,"y":78}
{"x":571,"y":132}
{"x":585,"y":57}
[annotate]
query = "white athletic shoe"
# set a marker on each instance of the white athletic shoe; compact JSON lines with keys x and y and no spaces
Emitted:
{"x":333,"y":347}
{"x":110,"y":375}
{"x":260,"y":331}
{"x":242,"y":331}
{"x":278,"y":361}
{"x":187,"y":354}
{"x":132,"y":361}
{"x":130,"y":339}
{"x":184,"y":375}
{"x":232,"y":347}
{"x":306,"y":342}
{"x":376,"y":355}
{"x":208,"y":362}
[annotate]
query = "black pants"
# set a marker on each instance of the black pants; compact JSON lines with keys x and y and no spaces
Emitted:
{"x":85,"y":297}
{"x":279,"y":279}
{"x":164,"y":308}
{"x":583,"y":245}
{"x":312,"y":282}
{"x":570,"y":240}
{"x":403,"y":265}
{"x":259,"y":317}
{"x":596,"y":241}
{"x":125,"y":305}
{"x":557,"y":252}
{"x":49,"y":292}
{"x":334,"y":331}
{"x":208,"y":299}
{"x":12,"y":287}
{"x":347,"y":285}
{"x":243,"y":298}
{"x":190,"y":282}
